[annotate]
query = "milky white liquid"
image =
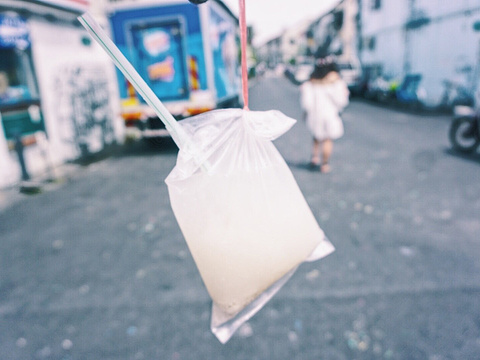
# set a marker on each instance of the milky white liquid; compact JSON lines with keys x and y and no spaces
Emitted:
{"x":245,"y":230}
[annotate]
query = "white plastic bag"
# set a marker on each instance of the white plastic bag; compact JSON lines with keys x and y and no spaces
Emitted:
{"x":241,"y":212}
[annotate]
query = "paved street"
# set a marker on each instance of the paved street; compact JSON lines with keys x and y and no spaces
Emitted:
{"x":96,"y":267}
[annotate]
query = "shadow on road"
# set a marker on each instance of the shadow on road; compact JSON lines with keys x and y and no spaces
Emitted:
{"x":299,"y":165}
{"x":151,"y":147}
{"x":473,"y":157}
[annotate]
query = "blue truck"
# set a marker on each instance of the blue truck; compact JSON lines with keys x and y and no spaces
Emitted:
{"x":188,"y":54}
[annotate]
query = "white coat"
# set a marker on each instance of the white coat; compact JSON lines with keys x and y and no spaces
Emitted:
{"x":323,"y":101}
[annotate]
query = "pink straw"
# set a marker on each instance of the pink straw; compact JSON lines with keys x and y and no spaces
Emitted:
{"x":243,"y":42}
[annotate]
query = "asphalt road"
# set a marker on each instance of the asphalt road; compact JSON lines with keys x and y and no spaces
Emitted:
{"x":96,"y":267}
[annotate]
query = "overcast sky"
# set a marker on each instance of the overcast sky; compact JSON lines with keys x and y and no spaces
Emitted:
{"x":270,"y":17}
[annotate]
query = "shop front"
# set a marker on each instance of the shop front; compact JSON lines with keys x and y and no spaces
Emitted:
{"x":58,"y":92}
{"x":19,"y":99}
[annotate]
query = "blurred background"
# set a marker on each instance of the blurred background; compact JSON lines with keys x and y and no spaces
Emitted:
{"x":54,"y":80}
{"x":92,"y":262}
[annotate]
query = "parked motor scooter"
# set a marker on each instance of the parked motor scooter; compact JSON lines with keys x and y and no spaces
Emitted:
{"x":455,"y":94}
{"x":465,"y":128}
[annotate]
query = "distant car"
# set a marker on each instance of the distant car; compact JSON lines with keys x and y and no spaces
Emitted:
{"x":303,"y":72}
{"x":351,"y":73}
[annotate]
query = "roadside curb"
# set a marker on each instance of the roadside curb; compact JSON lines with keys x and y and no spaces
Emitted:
{"x":11,"y":195}
{"x":52,"y":178}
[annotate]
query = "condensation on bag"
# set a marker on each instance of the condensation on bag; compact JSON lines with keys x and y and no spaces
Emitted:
{"x":241,"y":212}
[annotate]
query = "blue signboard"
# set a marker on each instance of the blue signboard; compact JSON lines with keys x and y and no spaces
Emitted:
{"x":14,"y":32}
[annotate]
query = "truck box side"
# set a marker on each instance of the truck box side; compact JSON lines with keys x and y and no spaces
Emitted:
{"x":165,"y":45}
{"x":187,"y":54}
{"x":224,"y":52}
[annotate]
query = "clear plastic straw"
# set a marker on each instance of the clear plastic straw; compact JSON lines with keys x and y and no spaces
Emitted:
{"x":135,"y":79}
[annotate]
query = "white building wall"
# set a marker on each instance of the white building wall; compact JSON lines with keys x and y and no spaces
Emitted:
{"x":58,"y":57}
{"x":63,"y":64}
{"x":384,"y":28}
{"x":388,"y":51}
{"x":435,"y":8}
{"x":392,"y":14}
{"x":446,"y":47}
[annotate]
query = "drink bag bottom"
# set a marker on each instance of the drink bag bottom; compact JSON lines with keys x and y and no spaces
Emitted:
{"x":243,"y":216}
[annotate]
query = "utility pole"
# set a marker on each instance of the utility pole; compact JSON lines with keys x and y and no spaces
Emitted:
{"x":406,"y":59}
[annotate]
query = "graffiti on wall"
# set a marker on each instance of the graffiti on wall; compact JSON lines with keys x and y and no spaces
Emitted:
{"x":83,"y":107}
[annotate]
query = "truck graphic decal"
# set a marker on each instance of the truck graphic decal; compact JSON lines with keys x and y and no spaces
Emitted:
{"x":156,"y":42}
{"x":162,"y":70}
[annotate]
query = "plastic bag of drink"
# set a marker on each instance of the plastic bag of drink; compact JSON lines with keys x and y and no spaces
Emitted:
{"x":242,"y":214}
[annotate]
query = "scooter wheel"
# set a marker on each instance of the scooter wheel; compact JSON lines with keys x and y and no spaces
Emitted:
{"x":464,"y":135}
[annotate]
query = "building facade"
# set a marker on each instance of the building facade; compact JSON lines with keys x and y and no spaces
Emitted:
{"x":336,"y":32}
{"x":58,"y":94}
{"x":435,"y":40}
{"x":271,"y":52}
{"x":293,"y":43}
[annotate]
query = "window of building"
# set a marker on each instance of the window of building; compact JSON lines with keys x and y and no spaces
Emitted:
{"x":17,"y":82}
{"x":369,"y":43}
{"x":376,"y":4}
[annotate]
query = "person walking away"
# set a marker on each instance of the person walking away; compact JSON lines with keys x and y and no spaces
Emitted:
{"x":323,"y":98}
